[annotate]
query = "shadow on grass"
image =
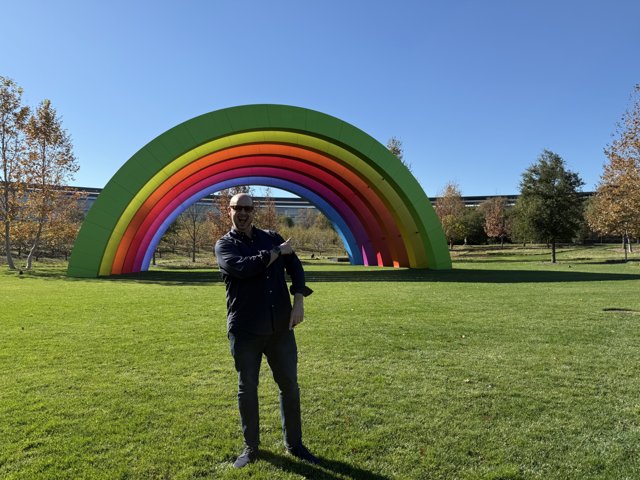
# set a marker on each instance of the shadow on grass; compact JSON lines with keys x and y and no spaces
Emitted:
{"x":37,"y":273}
{"x":539,"y":260}
{"x":172,"y":277}
{"x":466,"y":276}
{"x":348,"y":273}
{"x":177,"y":278}
{"x":327,"y":470}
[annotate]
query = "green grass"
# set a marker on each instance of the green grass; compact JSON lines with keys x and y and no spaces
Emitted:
{"x":507,"y":367}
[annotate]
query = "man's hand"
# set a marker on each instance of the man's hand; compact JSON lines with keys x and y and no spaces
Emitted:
{"x":286,"y":248}
{"x":297,"y":312}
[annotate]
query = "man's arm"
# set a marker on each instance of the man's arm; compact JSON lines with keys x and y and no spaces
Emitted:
{"x":299,"y":290}
{"x":293,"y":267}
{"x":233,"y":263}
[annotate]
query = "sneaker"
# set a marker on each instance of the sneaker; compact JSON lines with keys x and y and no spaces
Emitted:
{"x":302,"y":453}
{"x":248,"y":455}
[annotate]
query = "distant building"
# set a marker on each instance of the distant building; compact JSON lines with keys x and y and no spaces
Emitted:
{"x":285,"y":206}
{"x":291,"y":206}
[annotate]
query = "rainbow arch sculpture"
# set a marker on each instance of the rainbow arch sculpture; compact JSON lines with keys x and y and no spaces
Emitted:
{"x":378,"y":208}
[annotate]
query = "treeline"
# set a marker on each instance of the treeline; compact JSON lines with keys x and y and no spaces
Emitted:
{"x":39,"y":218}
{"x":550,"y":208}
{"x":197,"y":229}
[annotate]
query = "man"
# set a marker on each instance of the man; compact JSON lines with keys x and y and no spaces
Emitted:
{"x":260,"y":320}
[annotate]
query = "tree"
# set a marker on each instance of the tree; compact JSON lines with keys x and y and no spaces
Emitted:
{"x":191,"y":228}
{"x":13,"y":118}
{"x":473,"y":221}
{"x":64,"y":223}
{"x":51,"y":164}
{"x":315,"y":239}
{"x":615,"y":207}
{"x":451,"y":210}
{"x":519,"y":226}
{"x":323,"y":222}
{"x":266,"y":216}
{"x":549,"y":197}
{"x":286,"y":222}
{"x":169,"y":241}
{"x":306,"y":217}
{"x":495,"y":218}
{"x":22,"y":233}
{"x":395,"y":146}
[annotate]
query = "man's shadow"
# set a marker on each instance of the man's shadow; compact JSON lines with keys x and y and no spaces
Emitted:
{"x":326,"y":470}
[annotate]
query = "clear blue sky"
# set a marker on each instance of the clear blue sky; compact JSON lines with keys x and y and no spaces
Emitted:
{"x":474,"y":89}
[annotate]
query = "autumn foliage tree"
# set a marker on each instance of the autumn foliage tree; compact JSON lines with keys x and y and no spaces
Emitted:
{"x":451,"y":211}
{"x":13,"y":118}
{"x":64,"y":223}
{"x":51,"y":164}
{"x":615,"y":207}
{"x":495,"y":218}
{"x":192,"y":228}
{"x":266,"y":215}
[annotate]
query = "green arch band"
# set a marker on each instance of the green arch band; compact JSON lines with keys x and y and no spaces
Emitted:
{"x":254,"y":124}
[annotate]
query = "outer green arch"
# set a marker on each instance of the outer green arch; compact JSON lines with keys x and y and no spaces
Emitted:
{"x":188,"y":136}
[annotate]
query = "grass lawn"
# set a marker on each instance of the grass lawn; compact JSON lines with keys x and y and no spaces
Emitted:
{"x":506,"y":367}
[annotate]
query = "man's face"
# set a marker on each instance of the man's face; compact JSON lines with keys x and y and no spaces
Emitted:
{"x":241,"y":212}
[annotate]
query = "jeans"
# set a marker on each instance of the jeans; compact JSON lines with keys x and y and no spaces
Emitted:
{"x":282,"y":355}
